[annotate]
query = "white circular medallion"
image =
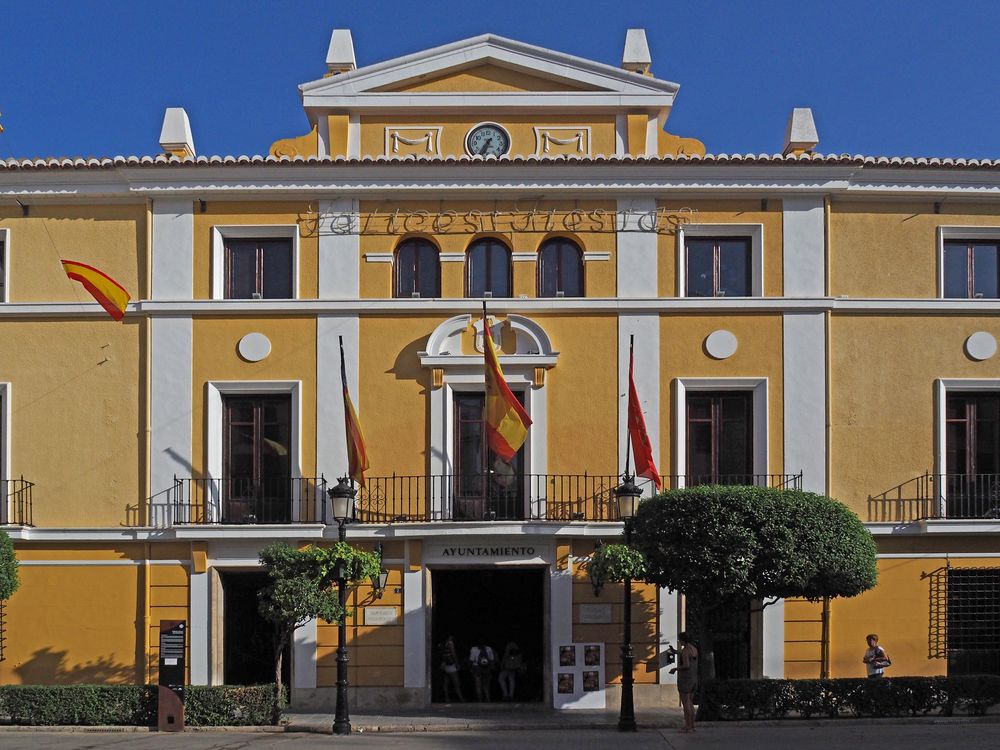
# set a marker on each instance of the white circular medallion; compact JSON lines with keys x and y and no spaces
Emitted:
{"x":981,"y":345}
{"x":721,"y":344}
{"x":254,"y":347}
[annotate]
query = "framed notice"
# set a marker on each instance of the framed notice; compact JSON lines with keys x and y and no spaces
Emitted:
{"x":578,"y":679}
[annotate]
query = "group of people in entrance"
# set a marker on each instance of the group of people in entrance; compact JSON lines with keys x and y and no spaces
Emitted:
{"x":484,"y":666}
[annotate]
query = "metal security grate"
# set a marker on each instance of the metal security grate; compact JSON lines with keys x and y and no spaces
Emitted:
{"x":3,"y":625}
{"x":965,"y":619}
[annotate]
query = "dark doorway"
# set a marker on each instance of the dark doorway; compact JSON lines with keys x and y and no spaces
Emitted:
{"x":721,"y":630}
{"x":248,"y":639}
{"x":496,"y":606}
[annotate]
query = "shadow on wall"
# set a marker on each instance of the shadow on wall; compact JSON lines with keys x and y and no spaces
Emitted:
{"x":49,"y":667}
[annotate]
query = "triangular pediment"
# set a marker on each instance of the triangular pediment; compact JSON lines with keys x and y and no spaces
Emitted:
{"x":488,"y":64}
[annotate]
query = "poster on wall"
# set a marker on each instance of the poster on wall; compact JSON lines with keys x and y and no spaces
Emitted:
{"x":578,"y":676}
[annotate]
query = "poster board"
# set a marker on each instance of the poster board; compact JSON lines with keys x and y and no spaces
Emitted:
{"x":578,"y":679}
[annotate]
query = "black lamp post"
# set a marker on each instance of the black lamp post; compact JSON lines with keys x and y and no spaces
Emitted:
{"x":342,"y":497}
{"x":629,"y":496}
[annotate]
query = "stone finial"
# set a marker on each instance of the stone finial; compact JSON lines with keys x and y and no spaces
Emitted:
{"x":800,"y":135}
{"x":175,"y":135}
{"x":340,"y":55}
{"x":635,"y":56}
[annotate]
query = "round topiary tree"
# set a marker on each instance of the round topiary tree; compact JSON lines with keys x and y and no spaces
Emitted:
{"x":719,"y":545}
{"x":8,"y":567}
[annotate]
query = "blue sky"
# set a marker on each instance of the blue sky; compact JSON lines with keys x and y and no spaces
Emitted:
{"x":884,"y":78}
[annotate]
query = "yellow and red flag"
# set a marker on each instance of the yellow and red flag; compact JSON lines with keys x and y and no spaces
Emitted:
{"x":357,"y":455}
{"x":642,"y":449}
{"x":109,"y":293}
{"x":507,"y":422}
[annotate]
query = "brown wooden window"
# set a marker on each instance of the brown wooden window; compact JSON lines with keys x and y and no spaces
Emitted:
{"x":257,"y":456}
{"x":485,"y":485}
{"x":972,"y":455}
{"x":971,"y":269}
{"x":258,"y":269}
{"x":488,"y":269}
{"x":3,"y":270}
{"x":417,"y":270}
{"x":718,"y":267}
{"x":719,"y":438}
{"x":560,"y":269}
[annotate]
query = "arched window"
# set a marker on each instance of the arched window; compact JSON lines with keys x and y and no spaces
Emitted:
{"x":560,"y":269}
{"x":418,"y":269}
{"x":487,"y":269}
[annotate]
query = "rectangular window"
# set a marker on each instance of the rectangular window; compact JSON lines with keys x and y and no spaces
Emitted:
{"x":485,"y":486}
{"x":257,"y":481}
{"x":718,"y":267}
{"x":972,"y":631}
{"x":258,"y":268}
{"x":3,"y":266}
{"x":971,"y":269}
{"x":719,"y":438}
{"x":972,"y":454}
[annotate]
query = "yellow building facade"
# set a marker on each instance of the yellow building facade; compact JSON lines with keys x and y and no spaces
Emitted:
{"x":819,"y":322}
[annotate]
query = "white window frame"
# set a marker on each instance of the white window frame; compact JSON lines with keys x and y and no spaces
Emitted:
{"x":5,"y":452}
{"x":5,"y":257}
{"x":758,"y":386}
{"x":214,"y":439}
{"x":753,"y":232}
{"x":221,"y":233}
{"x":943,"y":387}
{"x":950,"y":233}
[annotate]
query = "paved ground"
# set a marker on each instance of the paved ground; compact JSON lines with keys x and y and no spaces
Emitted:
{"x":919,"y":735}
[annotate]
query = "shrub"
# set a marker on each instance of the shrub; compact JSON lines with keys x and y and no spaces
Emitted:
{"x":132,"y":705}
{"x":728,"y":700}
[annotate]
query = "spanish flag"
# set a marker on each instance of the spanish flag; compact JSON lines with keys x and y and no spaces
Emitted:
{"x":642,"y":449}
{"x":507,"y":422}
{"x":108,"y":292}
{"x":357,"y":456}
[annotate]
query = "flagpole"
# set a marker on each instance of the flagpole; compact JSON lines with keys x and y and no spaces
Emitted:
{"x":628,"y":431}
{"x":343,"y":383}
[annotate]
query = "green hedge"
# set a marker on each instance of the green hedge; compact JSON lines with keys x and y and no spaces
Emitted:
{"x":131,"y":705}
{"x":728,"y":700}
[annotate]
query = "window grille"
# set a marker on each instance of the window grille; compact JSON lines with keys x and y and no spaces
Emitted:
{"x":3,"y":626}
{"x":965,"y":618}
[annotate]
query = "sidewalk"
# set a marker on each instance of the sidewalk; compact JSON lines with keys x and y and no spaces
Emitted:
{"x":472,"y":717}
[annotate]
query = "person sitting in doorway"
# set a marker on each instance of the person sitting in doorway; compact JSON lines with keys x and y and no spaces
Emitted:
{"x":482,"y":661}
{"x":511,"y":665}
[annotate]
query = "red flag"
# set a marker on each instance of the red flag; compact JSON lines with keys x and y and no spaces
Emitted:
{"x":642,"y":449}
{"x":357,"y":454}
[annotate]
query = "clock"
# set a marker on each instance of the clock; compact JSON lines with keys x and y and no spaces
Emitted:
{"x":487,"y":139}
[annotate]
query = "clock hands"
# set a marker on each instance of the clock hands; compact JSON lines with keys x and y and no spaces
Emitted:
{"x":486,"y":145}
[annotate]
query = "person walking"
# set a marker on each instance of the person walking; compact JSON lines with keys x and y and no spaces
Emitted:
{"x":511,"y":665}
{"x":687,"y":677}
{"x":449,"y":668}
{"x":482,"y":660}
{"x":875,"y":658}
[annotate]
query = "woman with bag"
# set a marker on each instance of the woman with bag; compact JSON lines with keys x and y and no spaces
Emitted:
{"x":875,"y":658}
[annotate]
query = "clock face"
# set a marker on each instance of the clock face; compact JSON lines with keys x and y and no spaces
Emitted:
{"x":487,"y":140}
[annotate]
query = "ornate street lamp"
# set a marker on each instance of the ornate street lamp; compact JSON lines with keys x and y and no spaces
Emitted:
{"x":629,"y":496}
{"x":595,"y":578}
{"x":379,"y":581}
{"x":342,"y":498}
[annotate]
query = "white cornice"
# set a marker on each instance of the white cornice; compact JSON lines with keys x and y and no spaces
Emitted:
{"x":526,"y":306}
{"x":936,"y":527}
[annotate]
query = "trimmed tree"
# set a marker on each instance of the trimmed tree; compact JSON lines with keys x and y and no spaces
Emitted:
{"x":303,"y":588}
{"x":721,"y":545}
{"x":9,"y":580}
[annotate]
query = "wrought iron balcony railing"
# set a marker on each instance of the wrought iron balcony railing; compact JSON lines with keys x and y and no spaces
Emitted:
{"x":528,"y":497}
{"x":938,"y":496}
{"x":16,"y":508}
{"x":272,"y":500}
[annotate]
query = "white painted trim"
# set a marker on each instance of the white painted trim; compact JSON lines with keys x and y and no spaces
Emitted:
{"x":646,"y":329}
{"x":760,"y":416}
{"x":773,"y":641}
{"x":803,"y":222}
{"x":200,"y":627}
{"x":102,"y":563}
{"x":804,"y":398}
{"x":652,"y":136}
{"x":935,"y":556}
{"x":171,"y":407}
{"x":596,"y":255}
{"x":560,"y":606}
{"x":5,"y":434}
{"x":540,"y":146}
{"x":946,"y":233}
{"x":223,"y":232}
{"x":451,"y":257}
{"x":214,"y":391}
{"x":754,"y":232}
{"x":491,"y":123}
{"x":621,"y":134}
{"x":339,"y":254}
{"x":636,"y":252}
{"x":354,"y":136}
{"x":172,"y":230}
{"x":323,"y":136}
{"x":380,"y":257}
{"x":669,"y":626}
{"x":5,"y":259}
{"x":435,"y":141}
{"x":304,"y":656}
{"x":522,"y":257}
{"x":331,"y":437}
{"x":414,"y":624}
